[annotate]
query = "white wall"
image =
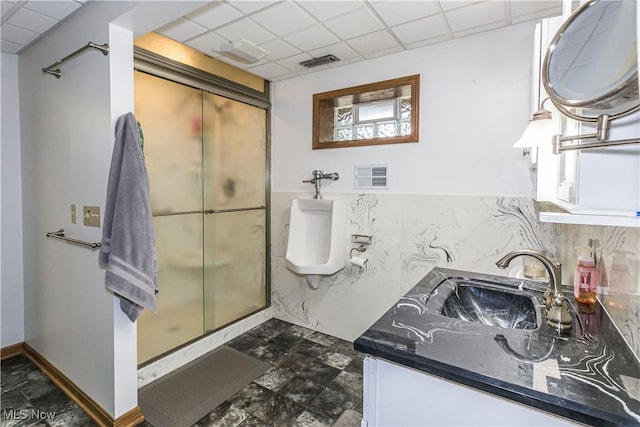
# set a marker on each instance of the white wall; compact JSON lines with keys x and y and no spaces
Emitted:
{"x":12,"y":329}
{"x":67,"y":136}
{"x":474,"y":104}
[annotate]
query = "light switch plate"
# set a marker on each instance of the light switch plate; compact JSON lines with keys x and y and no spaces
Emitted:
{"x":91,"y":216}
{"x":74,"y":213}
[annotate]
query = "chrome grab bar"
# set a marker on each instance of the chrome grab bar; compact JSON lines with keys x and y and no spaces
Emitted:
{"x":60,"y":235}
{"x":208,"y":211}
{"x":104,"y":48}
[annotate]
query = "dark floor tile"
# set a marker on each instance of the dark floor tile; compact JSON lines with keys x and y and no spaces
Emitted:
{"x":268,"y":329}
{"x":36,"y":388}
{"x":319,"y":373}
{"x":251,"y":397}
{"x":301,"y":331}
{"x":225,"y":415}
{"x":348,"y":383}
{"x":346,"y":348}
{"x":311,"y":419}
{"x":295,"y":362}
{"x":275,"y":379}
{"x":54,"y":401}
{"x":16,"y":371}
{"x":286,"y":339}
{"x":356,"y":366}
{"x":245,"y":343}
{"x":300,"y":390}
{"x":331,"y":403}
{"x":310,"y":349}
{"x":269,"y":353}
{"x":337,"y":360}
{"x":13,"y":400}
{"x":323,"y":339}
{"x":252,"y":421}
{"x":75,"y":417}
{"x":279,"y":411}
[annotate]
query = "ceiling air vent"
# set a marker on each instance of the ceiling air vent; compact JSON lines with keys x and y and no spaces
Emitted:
{"x":371,"y":177}
{"x":327,"y":59}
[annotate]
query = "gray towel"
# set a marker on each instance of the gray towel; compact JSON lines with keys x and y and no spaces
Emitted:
{"x":128,"y":246}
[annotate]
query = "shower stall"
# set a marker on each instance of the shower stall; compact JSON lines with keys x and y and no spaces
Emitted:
{"x":206,"y":150}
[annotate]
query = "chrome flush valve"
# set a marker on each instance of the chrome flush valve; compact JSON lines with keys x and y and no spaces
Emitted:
{"x":318,"y":176}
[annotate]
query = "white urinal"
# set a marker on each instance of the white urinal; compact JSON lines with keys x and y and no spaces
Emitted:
{"x":316,"y":245}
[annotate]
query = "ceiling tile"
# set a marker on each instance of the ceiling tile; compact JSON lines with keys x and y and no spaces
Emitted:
{"x":214,"y":15}
{"x":245,"y":29}
{"x":10,"y":47}
{"x":6,"y":7}
{"x":54,"y":9}
{"x":311,"y":38}
{"x":341,"y":50}
{"x":478,"y":14}
{"x":397,"y":12}
{"x":238,"y":64}
{"x":354,"y":24}
{"x":422,"y":29}
{"x":454,"y":4}
{"x":279,"y":49}
{"x":34,"y":21}
{"x":207,"y":43}
{"x":479,"y":29}
{"x":522,"y":11}
{"x":379,"y":53}
{"x":293,"y":63}
{"x":181,"y":30}
{"x":432,"y":40}
{"x":369,"y":43}
{"x":283,"y":18}
{"x":269,"y":70}
{"x":324,"y":10}
{"x":17,"y":35}
{"x":250,"y":6}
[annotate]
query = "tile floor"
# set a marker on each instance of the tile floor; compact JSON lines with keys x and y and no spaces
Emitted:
{"x":312,"y":380}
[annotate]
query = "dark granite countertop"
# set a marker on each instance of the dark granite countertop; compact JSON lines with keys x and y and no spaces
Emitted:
{"x":589,"y":375}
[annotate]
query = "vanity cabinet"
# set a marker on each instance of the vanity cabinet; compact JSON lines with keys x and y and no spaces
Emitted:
{"x":396,"y":395}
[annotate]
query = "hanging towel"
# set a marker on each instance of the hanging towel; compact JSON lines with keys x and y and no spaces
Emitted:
{"x":128,"y":246}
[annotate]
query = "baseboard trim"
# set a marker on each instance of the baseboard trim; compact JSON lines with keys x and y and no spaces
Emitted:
{"x":96,"y":412}
{"x":11,"y":351}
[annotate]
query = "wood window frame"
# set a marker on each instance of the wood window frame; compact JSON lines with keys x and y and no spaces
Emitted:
{"x":325,"y":102}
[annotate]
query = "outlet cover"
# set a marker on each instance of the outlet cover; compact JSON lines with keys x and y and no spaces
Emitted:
{"x":91,"y":216}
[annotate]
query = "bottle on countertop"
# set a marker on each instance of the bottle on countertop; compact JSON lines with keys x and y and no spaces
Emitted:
{"x":602,"y":283}
{"x":584,"y":279}
{"x":620,"y":275}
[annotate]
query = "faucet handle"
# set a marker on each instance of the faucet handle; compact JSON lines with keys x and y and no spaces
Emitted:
{"x":333,"y":176}
{"x":309,"y":181}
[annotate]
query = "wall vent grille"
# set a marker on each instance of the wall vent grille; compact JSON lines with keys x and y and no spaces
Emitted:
{"x":371,"y":177}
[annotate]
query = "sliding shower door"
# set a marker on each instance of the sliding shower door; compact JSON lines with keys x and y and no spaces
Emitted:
{"x":206,"y":159}
{"x":234,"y":198}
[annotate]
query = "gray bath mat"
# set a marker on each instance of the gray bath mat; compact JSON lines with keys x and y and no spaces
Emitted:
{"x":183,"y":397}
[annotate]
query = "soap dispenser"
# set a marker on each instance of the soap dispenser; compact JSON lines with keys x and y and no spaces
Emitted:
{"x":584,"y":278}
{"x":620,"y":277}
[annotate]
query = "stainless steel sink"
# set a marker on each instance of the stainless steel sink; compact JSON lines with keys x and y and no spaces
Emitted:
{"x":496,"y":304}
{"x":490,"y":305}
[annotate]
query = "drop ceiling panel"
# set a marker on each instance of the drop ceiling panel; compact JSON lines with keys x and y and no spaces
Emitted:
{"x":422,"y":29}
{"x":34,"y":21}
{"x":341,"y":50}
{"x":312,"y":38}
{"x":249,"y":7}
{"x":398,"y":12}
{"x":208,"y":43}
{"x":369,"y":43}
{"x":245,"y":29}
{"x":181,"y":30}
{"x":324,"y":10}
{"x":479,"y":14}
{"x":54,"y":9}
{"x":284,"y":18}
{"x":353,"y":24}
{"x":279,"y":49}
{"x":17,"y":35}
{"x":214,"y":15}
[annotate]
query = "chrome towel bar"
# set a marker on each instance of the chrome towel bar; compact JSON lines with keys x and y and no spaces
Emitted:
{"x":60,"y":235}
{"x":54,"y":71}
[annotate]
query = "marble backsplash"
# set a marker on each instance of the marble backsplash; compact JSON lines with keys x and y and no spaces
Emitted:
{"x":414,"y":233}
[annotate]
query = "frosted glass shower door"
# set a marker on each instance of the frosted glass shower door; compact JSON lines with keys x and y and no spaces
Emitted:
{"x":171,"y":116}
{"x":234,"y":197}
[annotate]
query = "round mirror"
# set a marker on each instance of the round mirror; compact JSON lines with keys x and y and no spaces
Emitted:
{"x":592,"y":62}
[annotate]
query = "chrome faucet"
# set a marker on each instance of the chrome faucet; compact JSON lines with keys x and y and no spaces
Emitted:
{"x":318,"y":176}
{"x":558,"y":316}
